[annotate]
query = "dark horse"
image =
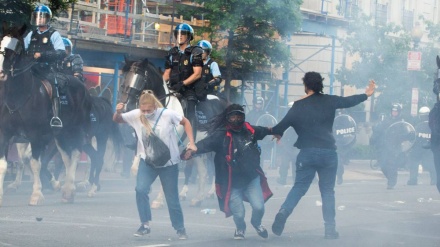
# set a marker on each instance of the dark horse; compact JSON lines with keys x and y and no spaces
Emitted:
{"x":103,"y":128}
{"x":26,"y":111}
{"x":142,"y":75}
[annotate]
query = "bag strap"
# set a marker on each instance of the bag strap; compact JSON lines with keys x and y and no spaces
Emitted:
{"x":158,"y":118}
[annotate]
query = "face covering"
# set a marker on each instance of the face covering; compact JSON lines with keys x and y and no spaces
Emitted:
{"x":237,"y":123}
{"x":150,"y":115}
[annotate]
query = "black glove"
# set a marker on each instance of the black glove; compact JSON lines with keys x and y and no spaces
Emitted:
{"x":177,"y":87}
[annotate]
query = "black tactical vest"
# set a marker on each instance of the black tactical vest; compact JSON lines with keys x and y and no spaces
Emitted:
{"x":41,"y":42}
{"x":182,"y":67}
{"x":72,"y":64}
{"x":206,"y":72}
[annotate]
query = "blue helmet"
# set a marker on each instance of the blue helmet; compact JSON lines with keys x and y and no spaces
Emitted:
{"x":41,"y":16}
{"x":67,"y":42}
{"x":206,"y":46}
{"x":184,"y":29}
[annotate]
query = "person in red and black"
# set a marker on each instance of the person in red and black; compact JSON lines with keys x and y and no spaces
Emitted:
{"x":238,"y":175}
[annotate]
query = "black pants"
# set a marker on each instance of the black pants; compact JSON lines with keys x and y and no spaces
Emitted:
{"x":436,"y":152}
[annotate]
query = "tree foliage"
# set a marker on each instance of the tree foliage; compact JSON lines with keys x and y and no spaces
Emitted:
{"x":19,"y":11}
{"x":253,"y":30}
{"x":382,"y":52}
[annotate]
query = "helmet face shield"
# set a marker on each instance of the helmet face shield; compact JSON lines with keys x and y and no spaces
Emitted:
{"x":39,"y":19}
{"x":181,"y":36}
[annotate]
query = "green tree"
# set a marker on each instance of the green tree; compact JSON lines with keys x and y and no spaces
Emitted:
{"x":382,"y":52}
{"x":253,"y":30}
{"x":19,"y":11}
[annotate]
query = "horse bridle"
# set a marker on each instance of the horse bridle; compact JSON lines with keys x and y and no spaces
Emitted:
{"x":13,"y":44}
{"x":144,"y":73}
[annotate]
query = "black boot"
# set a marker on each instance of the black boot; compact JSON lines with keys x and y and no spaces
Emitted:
{"x":280,"y":221}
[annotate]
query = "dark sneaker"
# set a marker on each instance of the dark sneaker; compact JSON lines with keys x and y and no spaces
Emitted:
{"x":142,"y":231}
{"x":239,"y":234}
{"x":262,"y":232}
{"x":331,"y":234}
{"x":182,"y":234}
{"x":280,"y":221}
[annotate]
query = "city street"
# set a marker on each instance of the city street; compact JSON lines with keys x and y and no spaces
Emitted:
{"x":367,"y":215}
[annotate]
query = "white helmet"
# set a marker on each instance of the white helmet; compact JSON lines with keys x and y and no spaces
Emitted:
{"x":424,"y":110}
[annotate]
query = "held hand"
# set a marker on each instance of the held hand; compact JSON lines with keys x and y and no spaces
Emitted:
{"x":37,"y":55}
{"x":370,"y":88}
{"x":186,"y":155}
{"x":191,"y":147}
{"x":120,"y":107}
{"x":178,"y":87}
{"x":278,"y":137}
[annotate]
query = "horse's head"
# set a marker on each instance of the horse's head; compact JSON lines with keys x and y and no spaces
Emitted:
{"x":11,"y":47}
{"x":139,"y":75}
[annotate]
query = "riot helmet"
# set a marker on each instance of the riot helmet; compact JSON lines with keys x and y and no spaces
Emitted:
{"x":424,"y":113}
{"x":68,"y":45}
{"x":183,"y":29}
{"x":41,"y":16}
{"x":206,"y":46}
{"x":259,"y":101}
{"x":396,"y":110}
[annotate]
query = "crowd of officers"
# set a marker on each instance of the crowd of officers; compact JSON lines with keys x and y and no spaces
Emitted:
{"x":191,"y":72}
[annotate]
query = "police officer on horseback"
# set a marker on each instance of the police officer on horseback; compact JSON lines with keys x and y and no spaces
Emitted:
{"x":72,"y":64}
{"x":211,"y":76}
{"x":46,"y":46}
{"x":183,"y":70}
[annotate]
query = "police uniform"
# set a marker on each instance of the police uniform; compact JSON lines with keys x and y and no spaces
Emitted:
{"x":73,"y":65}
{"x":181,"y":65}
{"x":209,"y":72}
{"x":48,"y":43}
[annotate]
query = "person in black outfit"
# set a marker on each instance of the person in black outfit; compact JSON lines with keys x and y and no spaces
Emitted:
{"x":389,"y":157}
{"x":434,"y":125}
{"x":420,"y":153}
{"x":312,"y":118}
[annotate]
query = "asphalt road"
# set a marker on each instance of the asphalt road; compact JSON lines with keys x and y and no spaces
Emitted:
{"x":367,"y":215}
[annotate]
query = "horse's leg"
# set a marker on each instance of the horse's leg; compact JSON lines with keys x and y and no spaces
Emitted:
{"x":109,"y":157}
{"x":37,"y":196}
{"x":45,"y":175}
{"x":97,"y":160}
{"x":3,"y":168}
{"x":200,"y":162}
{"x":187,"y":171}
{"x":158,"y":202}
{"x":71,"y":163}
{"x":23,"y":155}
{"x":89,"y":169}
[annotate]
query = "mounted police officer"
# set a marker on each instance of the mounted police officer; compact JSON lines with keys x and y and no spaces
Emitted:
{"x":46,"y":46}
{"x":420,"y":153}
{"x":211,"y":76}
{"x":183,"y":69}
{"x":72,"y":64}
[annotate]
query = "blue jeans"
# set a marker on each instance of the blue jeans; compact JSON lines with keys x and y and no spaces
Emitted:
{"x":168,"y":178}
{"x":311,"y":161}
{"x":254,"y":194}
